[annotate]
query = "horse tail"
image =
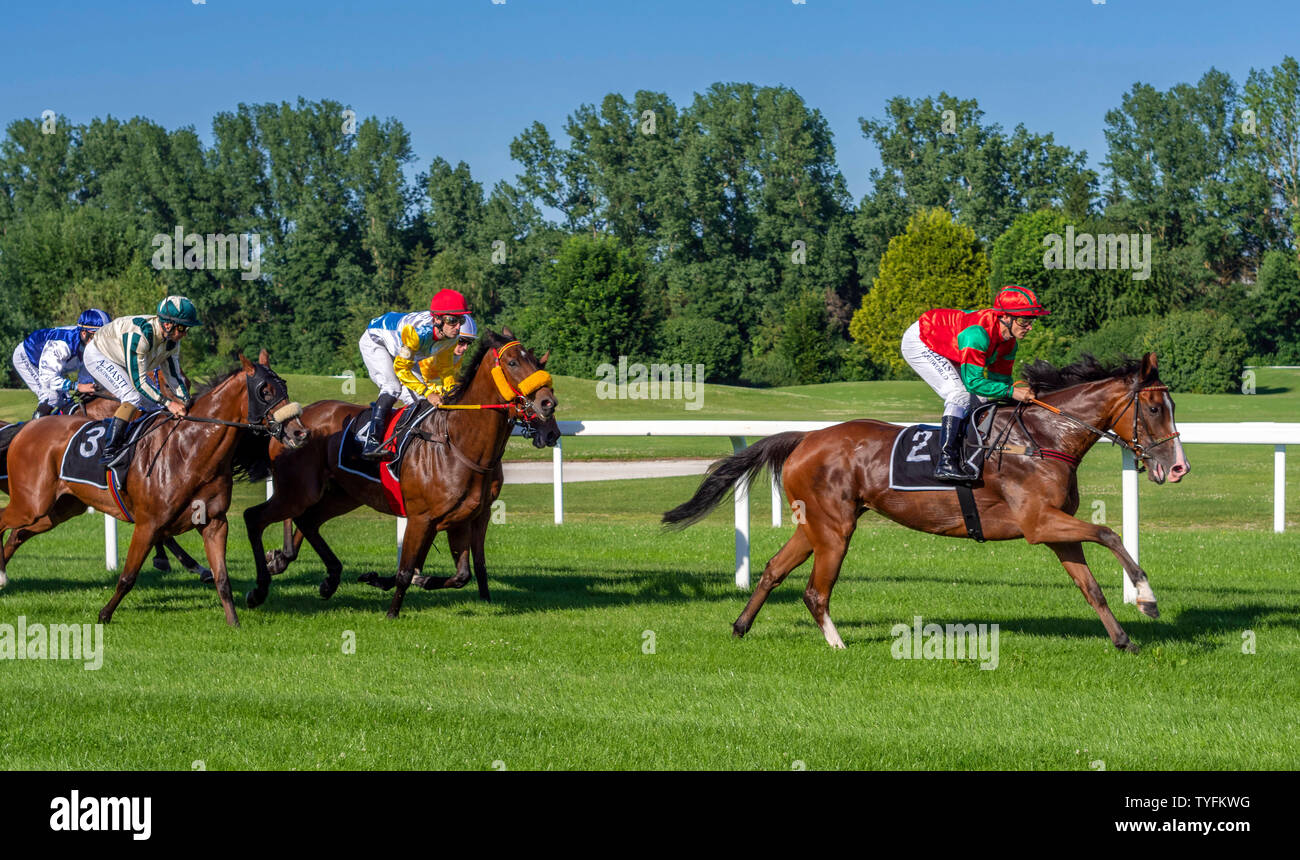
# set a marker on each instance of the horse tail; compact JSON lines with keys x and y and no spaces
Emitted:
{"x":724,"y":474}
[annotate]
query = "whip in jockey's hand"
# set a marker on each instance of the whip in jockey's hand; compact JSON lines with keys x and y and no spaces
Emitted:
{"x":967,"y":358}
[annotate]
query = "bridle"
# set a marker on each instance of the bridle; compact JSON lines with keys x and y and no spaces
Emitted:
{"x":263,"y":417}
{"x":1140,"y":451}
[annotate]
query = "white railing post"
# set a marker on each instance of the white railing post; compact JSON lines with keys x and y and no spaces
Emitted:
{"x":1279,"y":488}
{"x":776,"y":502}
{"x":742,"y":522}
{"x":557,"y":479}
{"x":110,"y":542}
{"x":401,"y":533}
{"x":270,"y":488}
{"x":1129,"y":509}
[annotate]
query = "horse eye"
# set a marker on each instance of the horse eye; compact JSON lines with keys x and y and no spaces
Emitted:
{"x":514,"y":363}
{"x":1154,"y":409}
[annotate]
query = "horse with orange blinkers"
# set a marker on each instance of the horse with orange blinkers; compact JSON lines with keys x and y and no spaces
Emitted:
{"x":449,"y":476}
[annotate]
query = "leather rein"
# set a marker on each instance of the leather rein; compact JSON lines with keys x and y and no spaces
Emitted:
{"x":1139,"y":451}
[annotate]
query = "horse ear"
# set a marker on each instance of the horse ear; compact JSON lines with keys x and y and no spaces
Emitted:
{"x":1149,"y":366}
{"x":541,"y":362}
{"x":264,"y":357}
{"x":505,"y":330}
{"x":246,"y":364}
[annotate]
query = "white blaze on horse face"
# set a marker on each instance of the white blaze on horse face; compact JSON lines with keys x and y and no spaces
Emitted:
{"x":1181,"y":466}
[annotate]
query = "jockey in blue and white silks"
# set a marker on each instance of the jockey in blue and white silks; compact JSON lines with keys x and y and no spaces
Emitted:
{"x":46,"y":356}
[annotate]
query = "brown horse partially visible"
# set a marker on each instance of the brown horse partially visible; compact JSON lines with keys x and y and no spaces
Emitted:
{"x":98,"y":405}
{"x":180,"y":478}
{"x":449,"y":476}
{"x":842,"y":471}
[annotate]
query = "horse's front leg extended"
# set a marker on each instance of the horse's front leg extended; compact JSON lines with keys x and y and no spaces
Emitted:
{"x":1071,"y":556}
{"x":1060,"y":527}
{"x":415,"y":546}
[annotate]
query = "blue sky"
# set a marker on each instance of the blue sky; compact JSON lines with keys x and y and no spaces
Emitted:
{"x":466,"y":76}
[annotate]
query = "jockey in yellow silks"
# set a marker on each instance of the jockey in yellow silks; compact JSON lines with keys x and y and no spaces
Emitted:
{"x":438,"y":371}
{"x":392,"y":346}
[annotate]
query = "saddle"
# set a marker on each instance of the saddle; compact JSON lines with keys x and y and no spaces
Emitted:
{"x":80,"y":464}
{"x":916,"y":450}
{"x":7,"y":434}
{"x":398,"y":435}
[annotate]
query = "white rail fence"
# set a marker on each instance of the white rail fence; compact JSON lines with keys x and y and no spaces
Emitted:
{"x":1279,"y":435}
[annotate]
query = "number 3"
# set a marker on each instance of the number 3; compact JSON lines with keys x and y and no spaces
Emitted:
{"x":90,"y":447}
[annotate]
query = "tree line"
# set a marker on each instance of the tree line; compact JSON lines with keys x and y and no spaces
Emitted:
{"x":719,"y":232}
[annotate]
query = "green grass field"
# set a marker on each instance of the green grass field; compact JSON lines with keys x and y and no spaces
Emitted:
{"x":553,"y":673}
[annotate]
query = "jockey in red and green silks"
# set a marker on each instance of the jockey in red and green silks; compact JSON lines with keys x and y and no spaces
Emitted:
{"x":967,"y":358}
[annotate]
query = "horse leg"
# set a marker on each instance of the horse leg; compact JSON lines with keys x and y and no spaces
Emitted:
{"x":278,"y":560}
{"x":187,"y":561}
{"x":420,"y":532}
{"x":794,"y":553}
{"x":256,"y":519}
{"x":309,"y":523}
{"x":478,"y":537}
{"x":1071,"y":556}
{"x":458,"y":540}
{"x":64,"y":509}
{"x":160,"y":561}
{"x":214,"y":544}
{"x":142,"y":541}
{"x":1059,"y":527}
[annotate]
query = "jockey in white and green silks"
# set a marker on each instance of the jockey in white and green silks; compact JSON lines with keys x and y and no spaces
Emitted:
{"x":123,"y":354}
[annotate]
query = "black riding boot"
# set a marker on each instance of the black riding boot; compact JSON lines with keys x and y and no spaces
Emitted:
{"x":113,"y":445}
{"x":373,"y":434}
{"x":951,"y":466}
{"x":42,"y":410}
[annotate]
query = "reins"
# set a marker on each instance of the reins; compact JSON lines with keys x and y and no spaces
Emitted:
{"x":1138,"y":450}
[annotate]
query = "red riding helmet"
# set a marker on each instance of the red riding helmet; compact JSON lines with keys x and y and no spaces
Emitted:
{"x":448,"y":302}
{"x":1019,"y":302}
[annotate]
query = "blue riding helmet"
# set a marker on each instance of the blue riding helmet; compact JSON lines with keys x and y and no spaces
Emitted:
{"x":93,"y":319}
{"x":468,"y":330}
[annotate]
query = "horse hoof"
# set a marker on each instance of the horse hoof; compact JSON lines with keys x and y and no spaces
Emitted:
{"x":205,"y":576}
{"x":328,"y":587}
{"x":254,"y":600}
{"x":105,"y":617}
{"x":391,"y":614}
{"x":1148,"y":608}
{"x":162,"y":564}
{"x":1132,"y":648}
{"x":737,"y":632}
{"x":276,"y":562}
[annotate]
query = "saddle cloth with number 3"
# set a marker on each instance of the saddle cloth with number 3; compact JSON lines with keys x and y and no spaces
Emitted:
{"x":81,"y":458}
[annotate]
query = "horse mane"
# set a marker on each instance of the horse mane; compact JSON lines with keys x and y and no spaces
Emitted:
{"x":206,"y":386}
{"x":469,"y":366}
{"x":1045,"y":378}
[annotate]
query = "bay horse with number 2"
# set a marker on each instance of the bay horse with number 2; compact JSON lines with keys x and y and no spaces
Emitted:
{"x":1029,"y":487}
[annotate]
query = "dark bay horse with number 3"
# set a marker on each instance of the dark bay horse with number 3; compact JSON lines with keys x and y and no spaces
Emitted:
{"x":449,"y":476}
{"x":1027,"y":490}
{"x":180,"y":478}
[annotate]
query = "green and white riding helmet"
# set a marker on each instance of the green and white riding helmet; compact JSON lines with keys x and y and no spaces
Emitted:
{"x":178,"y":310}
